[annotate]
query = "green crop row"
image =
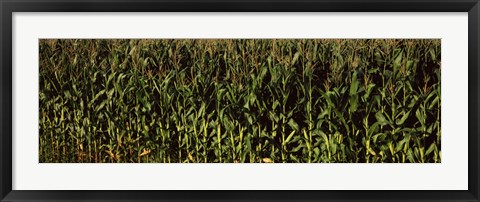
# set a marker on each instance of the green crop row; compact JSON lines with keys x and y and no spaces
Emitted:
{"x":240,"y":100}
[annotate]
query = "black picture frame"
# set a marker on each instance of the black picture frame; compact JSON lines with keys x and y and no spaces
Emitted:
{"x":8,"y":7}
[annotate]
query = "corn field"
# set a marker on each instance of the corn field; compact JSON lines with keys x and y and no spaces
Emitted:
{"x":239,"y":101}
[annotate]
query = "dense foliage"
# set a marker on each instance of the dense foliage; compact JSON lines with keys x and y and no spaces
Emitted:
{"x":239,"y":100}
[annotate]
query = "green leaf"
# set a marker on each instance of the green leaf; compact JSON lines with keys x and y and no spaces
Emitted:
{"x":409,"y":65}
{"x":378,"y":136}
{"x":430,"y":149}
{"x":420,"y":117}
{"x":432,"y":54}
{"x":402,"y":120}
{"x":275,"y":104}
{"x":110,"y":92}
{"x":100,"y":93}
{"x":353,"y":103}
{"x":380,"y":118}
{"x":289,"y":138}
{"x":354,"y":84}
{"x":410,"y":156}
{"x":299,"y":147}
{"x":399,"y":145}
{"x":434,"y":102}
{"x":397,"y":61}
{"x":295,"y":58}
{"x":100,"y":107}
{"x":368,"y":91}
{"x":293,"y":125}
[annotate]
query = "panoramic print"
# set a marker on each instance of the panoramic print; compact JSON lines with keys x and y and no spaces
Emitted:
{"x":239,"y":101}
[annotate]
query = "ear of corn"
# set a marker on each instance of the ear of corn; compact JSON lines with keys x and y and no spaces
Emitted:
{"x":240,"y":100}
